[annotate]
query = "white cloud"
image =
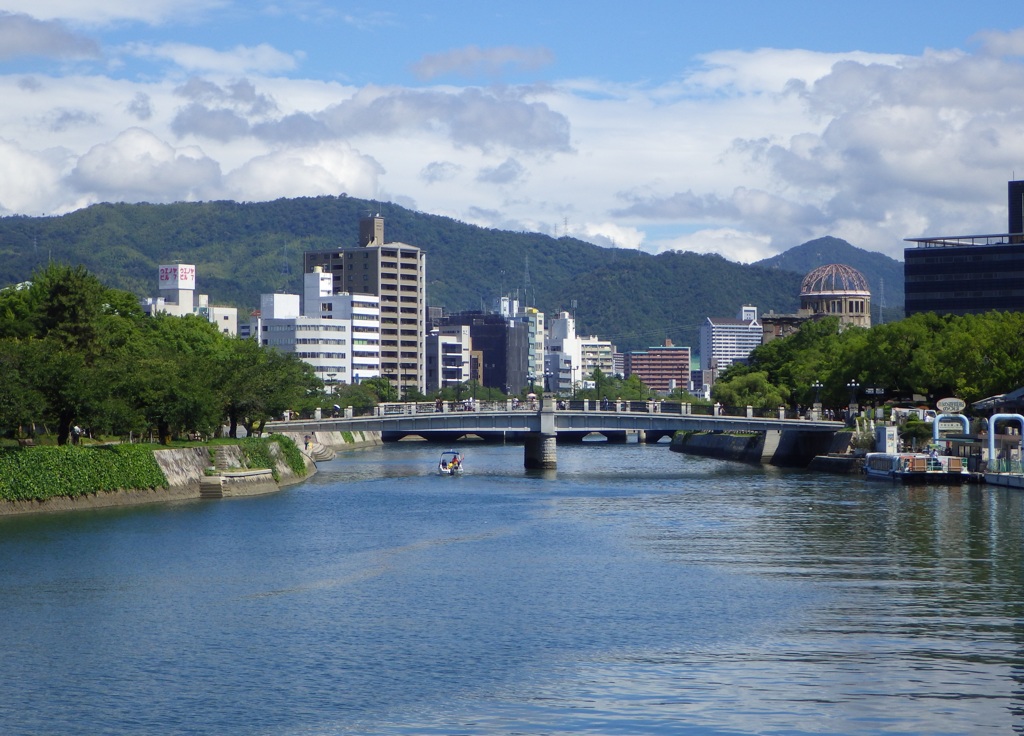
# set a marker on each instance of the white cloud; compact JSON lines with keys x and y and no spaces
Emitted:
{"x":735,"y":245}
{"x":137,"y":165}
{"x":324,"y":169}
{"x":508,"y":171}
{"x":755,"y":151}
{"x":1003,"y":44}
{"x":22,"y":35}
{"x":30,"y":183}
{"x":260,"y":59}
{"x":109,"y":11}
{"x":610,"y":235}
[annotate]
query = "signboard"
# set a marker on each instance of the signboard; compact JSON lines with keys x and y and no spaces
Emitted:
{"x":178,"y":276}
{"x":950,"y":405}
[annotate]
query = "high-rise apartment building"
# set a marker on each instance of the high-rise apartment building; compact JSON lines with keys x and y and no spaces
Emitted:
{"x":723,"y":341}
{"x":396,"y":273}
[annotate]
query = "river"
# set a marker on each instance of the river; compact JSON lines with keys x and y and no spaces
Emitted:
{"x":633,"y":591}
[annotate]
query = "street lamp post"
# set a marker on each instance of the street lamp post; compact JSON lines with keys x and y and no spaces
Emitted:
{"x":817,"y":386}
{"x":853,"y":386}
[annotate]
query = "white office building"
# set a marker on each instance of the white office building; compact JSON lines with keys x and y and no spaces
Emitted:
{"x":338,"y":334}
{"x":724,"y":340}
{"x":563,"y":359}
{"x":449,"y":351}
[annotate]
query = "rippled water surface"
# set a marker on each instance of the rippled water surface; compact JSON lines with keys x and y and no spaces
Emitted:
{"x":633,"y":591}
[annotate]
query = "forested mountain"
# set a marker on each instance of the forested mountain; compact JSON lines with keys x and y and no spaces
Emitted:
{"x":884,"y":274}
{"x":242,"y":250}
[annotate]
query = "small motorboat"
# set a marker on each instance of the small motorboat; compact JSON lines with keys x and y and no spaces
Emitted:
{"x":450,"y":463}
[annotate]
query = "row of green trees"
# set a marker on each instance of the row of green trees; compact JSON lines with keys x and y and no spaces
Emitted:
{"x":971,"y":357}
{"x":74,"y":352}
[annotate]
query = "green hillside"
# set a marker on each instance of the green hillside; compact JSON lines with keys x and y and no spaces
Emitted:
{"x":244,"y":249}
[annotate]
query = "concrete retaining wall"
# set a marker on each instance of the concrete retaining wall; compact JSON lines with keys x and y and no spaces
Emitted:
{"x":741,"y":448}
{"x":795,"y":449}
{"x":185,"y":469}
{"x":336,"y":440}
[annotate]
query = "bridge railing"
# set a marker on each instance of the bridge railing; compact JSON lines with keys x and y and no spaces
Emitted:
{"x":587,"y":405}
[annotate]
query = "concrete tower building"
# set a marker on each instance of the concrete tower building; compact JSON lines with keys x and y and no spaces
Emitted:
{"x":396,"y":273}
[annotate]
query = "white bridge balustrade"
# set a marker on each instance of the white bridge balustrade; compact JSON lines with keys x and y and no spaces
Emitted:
{"x":538,"y":423}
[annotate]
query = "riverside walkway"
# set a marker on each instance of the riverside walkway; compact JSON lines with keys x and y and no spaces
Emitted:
{"x":538,"y":424}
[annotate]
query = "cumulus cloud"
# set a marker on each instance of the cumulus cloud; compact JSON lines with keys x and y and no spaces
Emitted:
{"x":23,"y":35}
{"x":475,"y":61}
{"x":312,"y":171}
{"x":735,"y":245}
{"x":29,"y":182}
{"x":611,"y":235}
{"x":138,"y":165}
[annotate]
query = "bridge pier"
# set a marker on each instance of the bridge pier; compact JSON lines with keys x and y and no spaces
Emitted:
{"x":540,"y":452}
{"x":641,"y":437}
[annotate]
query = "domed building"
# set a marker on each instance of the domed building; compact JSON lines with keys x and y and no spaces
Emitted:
{"x":836,"y":290}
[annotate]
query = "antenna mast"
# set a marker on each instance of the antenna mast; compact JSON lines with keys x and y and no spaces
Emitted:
{"x":881,"y":300}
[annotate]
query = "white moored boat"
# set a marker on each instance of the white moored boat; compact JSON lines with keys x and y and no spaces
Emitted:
{"x":915,"y":467}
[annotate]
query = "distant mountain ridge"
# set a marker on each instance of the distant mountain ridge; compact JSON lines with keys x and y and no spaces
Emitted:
{"x":242,"y":250}
{"x":884,"y":274}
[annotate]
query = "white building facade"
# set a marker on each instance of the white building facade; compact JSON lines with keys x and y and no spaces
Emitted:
{"x":337,"y":334}
{"x":723,"y":341}
{"x":449,"y":351}
{"x":563,"y":359}
{"x":177,"y":286}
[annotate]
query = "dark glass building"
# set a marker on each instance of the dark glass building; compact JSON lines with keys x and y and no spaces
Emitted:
{"x":968,"y":274}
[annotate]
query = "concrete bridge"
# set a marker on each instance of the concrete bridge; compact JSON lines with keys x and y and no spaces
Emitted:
{"x":540,"y":425}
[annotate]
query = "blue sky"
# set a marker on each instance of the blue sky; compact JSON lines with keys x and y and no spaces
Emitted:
{"x":740,"y":128}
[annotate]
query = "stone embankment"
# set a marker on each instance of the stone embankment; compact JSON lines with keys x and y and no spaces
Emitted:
{"x":189,"y":476}
{"x":788,"y":449}
{"x":322,"y":446}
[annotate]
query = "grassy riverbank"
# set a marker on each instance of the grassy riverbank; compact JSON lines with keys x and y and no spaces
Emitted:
{"x":46,"y":472}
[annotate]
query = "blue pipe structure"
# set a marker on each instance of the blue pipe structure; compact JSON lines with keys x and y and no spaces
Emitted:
{"x":992,"y":431}
{"x":964,"y":421}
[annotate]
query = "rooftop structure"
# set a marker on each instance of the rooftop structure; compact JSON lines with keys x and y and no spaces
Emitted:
{"x":177,"y":285}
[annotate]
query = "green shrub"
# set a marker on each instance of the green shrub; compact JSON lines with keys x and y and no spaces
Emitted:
{"x":292,"y":454}
{"x":258,"y":454}
{"x":40,"y":473}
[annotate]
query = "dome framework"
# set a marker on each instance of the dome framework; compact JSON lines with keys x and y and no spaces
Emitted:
{"x":837,"y":290}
